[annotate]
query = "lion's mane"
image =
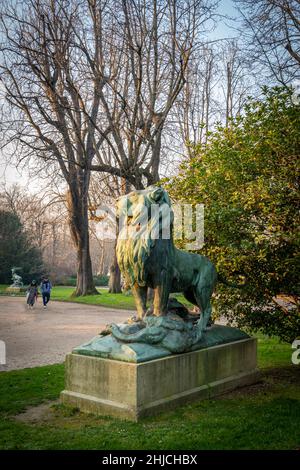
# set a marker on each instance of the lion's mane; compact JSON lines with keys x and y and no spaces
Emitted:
{"x":134,"y":247}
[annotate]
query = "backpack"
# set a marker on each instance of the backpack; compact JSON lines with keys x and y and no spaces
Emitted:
{"x":46,"y":286}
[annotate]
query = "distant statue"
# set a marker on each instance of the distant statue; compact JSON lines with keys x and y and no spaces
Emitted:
{"x":148,"y":257}
{"x":17,"y":280}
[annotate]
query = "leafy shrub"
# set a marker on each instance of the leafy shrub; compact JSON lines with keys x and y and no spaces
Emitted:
{"x":71,"y":280}
{"x":247,"y":176}
{"x":17,"y":249}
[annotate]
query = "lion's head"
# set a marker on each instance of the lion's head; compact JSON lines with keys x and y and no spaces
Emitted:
{"x":145,"y":216}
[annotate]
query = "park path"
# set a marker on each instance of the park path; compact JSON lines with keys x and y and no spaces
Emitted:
{"x":44,"y":336}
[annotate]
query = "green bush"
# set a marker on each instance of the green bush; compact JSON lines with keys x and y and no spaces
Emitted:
{"x":17,"y":248}
{"x":101,"y":280}
{"x":71,"y":281}
{"x":247,"y":176}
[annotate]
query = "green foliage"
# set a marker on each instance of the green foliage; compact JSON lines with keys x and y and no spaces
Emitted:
{"x":17,"y":249}
{"x":248,"y":179}
{"x":101,"y":280}
{"x":72,"y":280}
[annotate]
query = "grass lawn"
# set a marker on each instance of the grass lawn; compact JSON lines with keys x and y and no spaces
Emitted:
{"x":105,"y":299}
{"x":64,"y":294}
{"x":263,"y":416}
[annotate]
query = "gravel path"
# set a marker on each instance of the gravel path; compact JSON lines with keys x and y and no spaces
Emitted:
{"x":44,"y":336}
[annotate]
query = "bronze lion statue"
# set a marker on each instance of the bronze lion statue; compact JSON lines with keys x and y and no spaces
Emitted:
{"x":148,"y":257}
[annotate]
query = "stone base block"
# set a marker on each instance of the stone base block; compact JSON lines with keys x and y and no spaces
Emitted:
{"x":14,"y":290}
{"x":134,"y":390}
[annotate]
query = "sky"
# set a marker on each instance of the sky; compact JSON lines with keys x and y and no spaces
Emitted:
{"x":9,"y":174}
{"x":223,"y":29}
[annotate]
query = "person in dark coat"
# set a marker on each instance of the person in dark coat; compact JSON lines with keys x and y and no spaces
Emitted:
{"x":32,"y":294}
{"x":45,"y":290}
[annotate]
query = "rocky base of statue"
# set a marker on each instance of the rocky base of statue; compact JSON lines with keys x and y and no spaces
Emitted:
{"x":156,"y":337}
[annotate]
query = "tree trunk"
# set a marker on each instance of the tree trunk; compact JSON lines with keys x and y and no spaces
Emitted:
{"x":85,"y":282}
{"x":114,"y":285}
{"x":78,"y":222}
{"x":101,"y":261}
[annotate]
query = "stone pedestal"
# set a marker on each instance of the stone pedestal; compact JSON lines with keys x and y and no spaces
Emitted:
{"x":14,"y":290}
{"x":133,"y":390}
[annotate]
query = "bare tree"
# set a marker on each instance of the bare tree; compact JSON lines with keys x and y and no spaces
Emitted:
{"x":218,"y":82}
{"x":194,"y":109}
{"x":44,"y":218}
{"x":88,"y":85}
{"x":151,"y":46}
{"x":271,"y":29}
{"x":236,"y":80}
{"x":103,"y":192}
{"x":36,"y":212}
{"x":53,"y":109}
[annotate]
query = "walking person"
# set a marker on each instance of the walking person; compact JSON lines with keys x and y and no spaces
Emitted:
{"x":45,"y":290}
{"x":32,"y":294}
